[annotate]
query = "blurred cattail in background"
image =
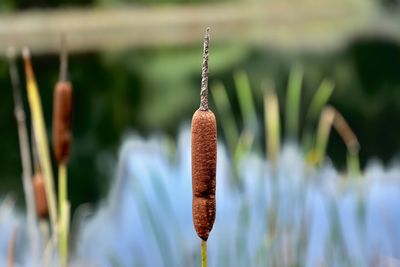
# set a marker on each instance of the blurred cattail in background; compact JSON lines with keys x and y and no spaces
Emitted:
{"x":11,"y":249}
{"x":62,"y":121}
{"x":62,"y":111}
{"x":62,"y":117}
{"x":40,"y":195}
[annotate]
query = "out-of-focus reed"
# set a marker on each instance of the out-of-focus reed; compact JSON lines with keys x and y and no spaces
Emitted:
{"x":25,"y":151}
{"x":40,"y":135}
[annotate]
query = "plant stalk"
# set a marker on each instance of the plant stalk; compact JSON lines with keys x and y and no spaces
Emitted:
{"x":203,"y":253}
{"x":40,"y":136}
{"x":63,"y":207}
{"x":24,"y":152}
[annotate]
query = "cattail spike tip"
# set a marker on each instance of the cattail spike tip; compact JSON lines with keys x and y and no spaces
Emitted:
{"x":64,"y":59}
{"x":204,"y":73}
{"x":26,"y":54}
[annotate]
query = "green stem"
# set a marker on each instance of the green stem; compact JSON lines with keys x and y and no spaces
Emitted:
{"x":319,"y":100}
{"x":40,"y":136}
{"x":353,"y":164}
{"x":203,"y":253}
{"x":63,"y":211}
{"x":62,"y":186}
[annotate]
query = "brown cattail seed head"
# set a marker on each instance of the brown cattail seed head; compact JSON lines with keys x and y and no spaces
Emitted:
{"x":40,"y":195}
{"x":204,"y":162}
{"x":62,"y":121}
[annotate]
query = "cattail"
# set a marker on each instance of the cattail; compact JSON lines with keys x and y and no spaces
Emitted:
{"x":40,"y":195}
{"x":62,"y":120}
{"x":204,"y":157}
{"x":11,"y":249}
{"x":62,"y":112}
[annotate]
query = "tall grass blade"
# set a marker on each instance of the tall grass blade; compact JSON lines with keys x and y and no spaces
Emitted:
{"x":246,"y":101}
{"x":41,"y":136}
{"x":323,"y":132}
{"x":293,"y":102}
{"x":272,"y":123}
{"x":320,"y":99}
{"x":351,"y":142}
{"x":244,"y":145}
{"x":24,"y":151}
{"x":224,"y":108}
{"x":331,"y":117}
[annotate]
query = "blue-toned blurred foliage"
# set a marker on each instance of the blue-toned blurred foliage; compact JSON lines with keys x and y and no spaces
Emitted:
{"x":291,"y":215}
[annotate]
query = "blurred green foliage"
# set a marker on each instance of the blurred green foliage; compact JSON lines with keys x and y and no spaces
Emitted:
{"x":7,"y":5}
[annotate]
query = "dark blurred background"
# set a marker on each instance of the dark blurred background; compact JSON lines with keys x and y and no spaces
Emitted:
{"x":154,"y":88}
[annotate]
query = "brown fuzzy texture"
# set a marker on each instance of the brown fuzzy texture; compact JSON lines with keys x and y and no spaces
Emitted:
{"x":62,"y":116}
{"x":11,"y":249}
{"x":204,"y":162}
{"x":40,"y":196}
